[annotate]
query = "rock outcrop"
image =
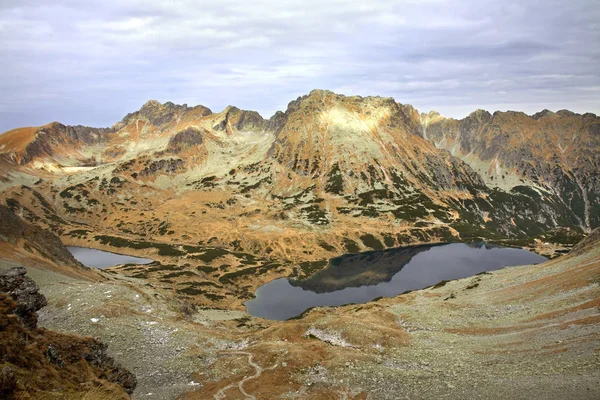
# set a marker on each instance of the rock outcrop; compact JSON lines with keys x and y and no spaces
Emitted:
{"x":34,"y":361}
{"x":25,"y":292}
{"x":185,"y":139}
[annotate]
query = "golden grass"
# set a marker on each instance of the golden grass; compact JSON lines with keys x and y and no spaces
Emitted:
{"x":94,"y":393}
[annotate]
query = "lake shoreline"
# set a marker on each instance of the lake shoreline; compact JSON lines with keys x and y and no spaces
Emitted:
{"x":361,"y":277}
{"x":102,"y":259}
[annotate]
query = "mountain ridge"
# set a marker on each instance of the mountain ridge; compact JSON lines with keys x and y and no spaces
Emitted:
{"x":332,"y":174}
{"x":170,"y":104}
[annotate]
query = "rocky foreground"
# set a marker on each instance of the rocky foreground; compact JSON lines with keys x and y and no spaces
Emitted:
{"x":521,"y":332}
{"x":39,"y":363}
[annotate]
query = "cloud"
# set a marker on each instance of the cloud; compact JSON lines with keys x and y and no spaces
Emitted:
{"x":91,"y":62}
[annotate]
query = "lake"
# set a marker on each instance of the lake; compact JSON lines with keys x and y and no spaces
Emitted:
{"x":359,"y":278}
{"x":103,"y":259}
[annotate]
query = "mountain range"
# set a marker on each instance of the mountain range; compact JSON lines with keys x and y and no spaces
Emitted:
{"x":330,"y":175}
{"x":226,"y":202}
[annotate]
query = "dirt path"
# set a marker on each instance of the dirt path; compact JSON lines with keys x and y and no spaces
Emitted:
{"x":258,"y":372}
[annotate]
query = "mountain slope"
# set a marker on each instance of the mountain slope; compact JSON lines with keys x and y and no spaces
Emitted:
{"x":240,"y":200}
{"x":559,"y":153}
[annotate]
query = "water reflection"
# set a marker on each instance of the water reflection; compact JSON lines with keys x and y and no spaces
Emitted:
{"x":359,"y":278}
{"x":363,"y":269}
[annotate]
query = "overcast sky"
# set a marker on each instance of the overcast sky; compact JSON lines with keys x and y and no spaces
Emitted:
{"x":91,"y":62}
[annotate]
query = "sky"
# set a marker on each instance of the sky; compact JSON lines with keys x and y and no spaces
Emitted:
{"x":91,"y":62}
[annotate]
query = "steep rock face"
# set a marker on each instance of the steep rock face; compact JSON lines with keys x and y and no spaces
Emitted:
{"x":232,"y":118}
{"x":371,"y":140}
{"x":323,"y":128}
{"x":36,"y":361}
{"x":556,"y":152}
{"x":184,"y":139}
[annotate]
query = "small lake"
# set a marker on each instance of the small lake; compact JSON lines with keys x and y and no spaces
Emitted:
{"x":359,"y":278}
{"x":103,"y":259}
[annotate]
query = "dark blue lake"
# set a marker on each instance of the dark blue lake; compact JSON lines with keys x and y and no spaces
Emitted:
{"x":359,"y":278}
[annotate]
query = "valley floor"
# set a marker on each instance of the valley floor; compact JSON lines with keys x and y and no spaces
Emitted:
{"x":517,"y":333}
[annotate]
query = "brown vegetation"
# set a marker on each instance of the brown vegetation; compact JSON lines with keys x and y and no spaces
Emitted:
{"x":36,"y":363}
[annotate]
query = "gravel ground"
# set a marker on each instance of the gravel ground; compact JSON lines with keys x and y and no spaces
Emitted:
{"x":142,"y":329}
{"x":517,"y":333}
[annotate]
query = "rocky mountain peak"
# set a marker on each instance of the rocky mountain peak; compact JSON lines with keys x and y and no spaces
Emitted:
{"x":321,"y":93}
{"x":544,"y":113}
{"x":159,"y":114}
{"x":566,"y":113}
{"x":429,"y":117}
{"x":481,"y":115}
{"x":241,"y":120}
{"x":151,"y":103}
